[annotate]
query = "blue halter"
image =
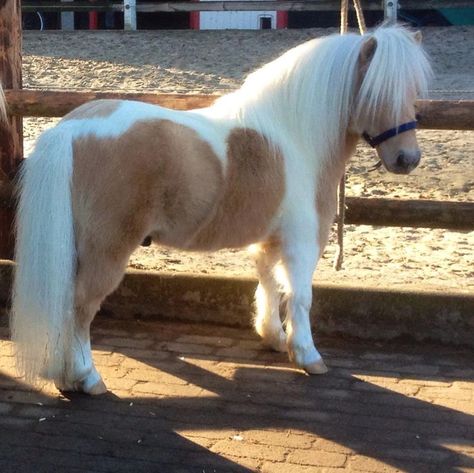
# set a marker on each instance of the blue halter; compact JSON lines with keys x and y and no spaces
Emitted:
{"x":375,"y":141}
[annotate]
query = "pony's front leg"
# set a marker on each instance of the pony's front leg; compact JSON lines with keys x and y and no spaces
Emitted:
{"x":267,"y":297}
{"x":299,"y":258}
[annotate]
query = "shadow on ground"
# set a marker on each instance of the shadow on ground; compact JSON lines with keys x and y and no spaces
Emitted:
{"x":216,"y":396}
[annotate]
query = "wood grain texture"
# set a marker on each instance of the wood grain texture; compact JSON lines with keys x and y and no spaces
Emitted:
{"x":11,"y":132}
{"x":433,"y":114}
{"x":410,"y":213}
{"x":47,"y":103}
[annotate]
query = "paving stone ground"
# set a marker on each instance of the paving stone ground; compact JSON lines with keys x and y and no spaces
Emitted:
{"x":198,"y":398}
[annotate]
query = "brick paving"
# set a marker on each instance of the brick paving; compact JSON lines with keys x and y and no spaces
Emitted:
{"x":196,"y":398}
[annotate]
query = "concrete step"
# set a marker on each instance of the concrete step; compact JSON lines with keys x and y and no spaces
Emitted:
{"x":369,"y":313}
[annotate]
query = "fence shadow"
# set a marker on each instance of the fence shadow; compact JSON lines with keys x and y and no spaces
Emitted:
{"x":133,"y":432}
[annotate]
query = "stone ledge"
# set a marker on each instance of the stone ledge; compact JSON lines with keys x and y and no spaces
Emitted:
{"x":362,"y":312}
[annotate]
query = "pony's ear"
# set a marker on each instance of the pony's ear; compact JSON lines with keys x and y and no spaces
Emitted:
{"x":417,"y":36}
{"x":367,"y":51}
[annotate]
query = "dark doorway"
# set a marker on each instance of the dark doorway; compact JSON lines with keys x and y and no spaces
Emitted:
{"x":265,"y":23}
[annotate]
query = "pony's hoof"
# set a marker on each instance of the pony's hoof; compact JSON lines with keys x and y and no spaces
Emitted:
{"x":92,"y":384}
{"x":318,"y":367}
{"x":97,"y":389}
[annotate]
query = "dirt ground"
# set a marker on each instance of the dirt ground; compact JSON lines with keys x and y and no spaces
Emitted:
{"x":216,"y":62}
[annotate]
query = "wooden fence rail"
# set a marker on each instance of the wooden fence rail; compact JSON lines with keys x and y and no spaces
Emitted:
{"x":434,"y":114}
{"x":381,"y":212}
{"x":410,"y":213}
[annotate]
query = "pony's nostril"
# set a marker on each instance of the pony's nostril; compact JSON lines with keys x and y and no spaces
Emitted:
{"x":407,"y":161}
{"x":401,"y":161}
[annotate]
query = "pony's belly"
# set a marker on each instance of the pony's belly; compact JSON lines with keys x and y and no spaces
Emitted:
{"x":240,"y":233}
{"x":224,"y":227}
{"x":250,"y":197}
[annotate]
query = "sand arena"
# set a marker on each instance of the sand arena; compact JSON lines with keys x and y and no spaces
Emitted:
{"x":216,"y":62}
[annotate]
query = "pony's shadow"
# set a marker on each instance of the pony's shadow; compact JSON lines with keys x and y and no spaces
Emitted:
{"x":112,"y":433}
{"x":392,"y":428}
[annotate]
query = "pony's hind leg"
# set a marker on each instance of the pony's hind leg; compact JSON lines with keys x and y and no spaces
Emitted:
{"x":80,"y":373}
{"x":99,"y":273}
{"x":299,"y":258}
{"x":267,"y":297}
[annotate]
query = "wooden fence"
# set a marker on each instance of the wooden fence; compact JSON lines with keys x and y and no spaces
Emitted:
{"x":433,"y":114}
{"x":446,"y":115}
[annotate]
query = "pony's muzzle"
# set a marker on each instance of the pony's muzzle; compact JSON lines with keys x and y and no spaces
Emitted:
{"x":406,"y":161}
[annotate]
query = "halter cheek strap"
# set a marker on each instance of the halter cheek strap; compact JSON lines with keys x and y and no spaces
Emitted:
{"x":375,"y":141}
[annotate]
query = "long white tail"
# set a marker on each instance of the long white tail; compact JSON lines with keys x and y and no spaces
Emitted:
{"x":43,"y":292}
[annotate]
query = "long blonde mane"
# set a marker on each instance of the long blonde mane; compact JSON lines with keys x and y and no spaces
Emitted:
{"x":310,"y":91}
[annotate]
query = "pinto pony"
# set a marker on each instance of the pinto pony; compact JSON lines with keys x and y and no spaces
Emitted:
{"x":260,"y":166}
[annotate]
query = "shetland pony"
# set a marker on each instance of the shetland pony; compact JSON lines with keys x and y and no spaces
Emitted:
{"x":260,"y":166}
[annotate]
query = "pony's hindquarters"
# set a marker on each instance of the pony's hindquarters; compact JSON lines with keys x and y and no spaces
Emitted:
{"x":43,"y":291}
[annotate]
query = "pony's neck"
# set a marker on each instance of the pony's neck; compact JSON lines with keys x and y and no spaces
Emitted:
{"x":303,"y":99}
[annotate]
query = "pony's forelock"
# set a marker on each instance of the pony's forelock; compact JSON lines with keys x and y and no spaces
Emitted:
{"x":398,"y":73}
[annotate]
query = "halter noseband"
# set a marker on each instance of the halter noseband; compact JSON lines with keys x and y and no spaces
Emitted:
{"x":375,"y":141}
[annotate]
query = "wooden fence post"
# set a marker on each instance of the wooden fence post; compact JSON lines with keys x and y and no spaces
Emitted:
{"x":11,"y":133}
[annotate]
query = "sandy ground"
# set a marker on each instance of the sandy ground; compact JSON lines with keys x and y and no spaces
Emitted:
{"x":209,"y":62}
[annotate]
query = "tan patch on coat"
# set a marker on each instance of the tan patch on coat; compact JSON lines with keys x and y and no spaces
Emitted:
{"x":94,"y":109}
{"x":326,"y":189}
{"x":158,"y":178}
{"x":253,"y":191}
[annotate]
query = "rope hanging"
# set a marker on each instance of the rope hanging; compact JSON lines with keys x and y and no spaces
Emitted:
{"x":344,"y":13}
{"x":360,"y":16}
{"x":341,"y":191}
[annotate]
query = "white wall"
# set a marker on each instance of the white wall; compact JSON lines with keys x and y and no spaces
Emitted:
{"x":245,"y":20}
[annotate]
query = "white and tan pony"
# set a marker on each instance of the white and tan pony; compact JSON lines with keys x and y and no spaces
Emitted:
{"x":260,"y":166}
